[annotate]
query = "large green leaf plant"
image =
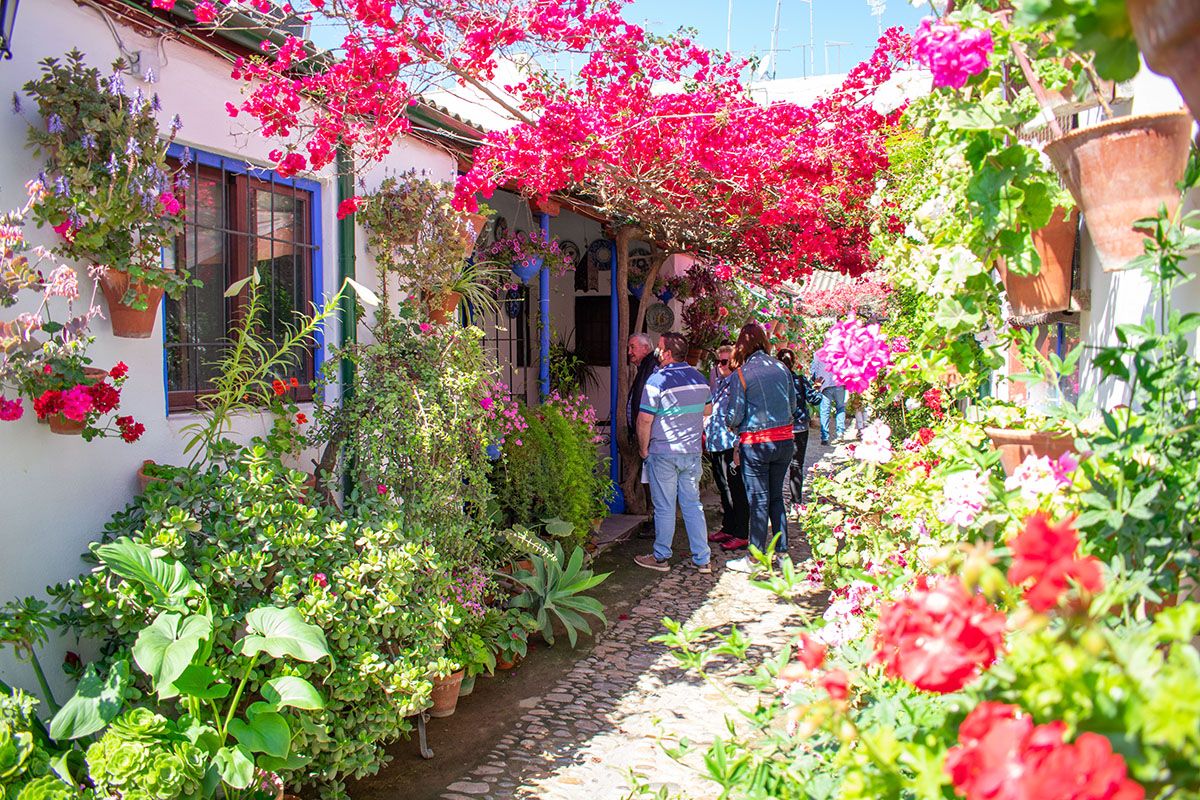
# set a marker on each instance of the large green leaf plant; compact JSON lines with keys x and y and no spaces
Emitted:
{"x":554,"y":592}
{"x":224,"y":739}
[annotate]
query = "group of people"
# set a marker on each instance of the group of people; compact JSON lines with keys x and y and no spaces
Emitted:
{"x":751,"y":422}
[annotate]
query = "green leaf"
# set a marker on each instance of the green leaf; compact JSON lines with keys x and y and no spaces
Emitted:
{"x":235,"y":765}
{"x":265,"y":732}
{"x":292,"y":692}
{"x":168,"y":582}
{"x":202,"y":682}
{"x":365,"y":295}
{"x":282,"y":632}
{"x":293,"y":762}
{"x":236,"y":287}
{"x":95,"y":703}
{"x":166,"y":647}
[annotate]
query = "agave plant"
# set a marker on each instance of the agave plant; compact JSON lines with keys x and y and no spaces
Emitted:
{"x":554,"y":591}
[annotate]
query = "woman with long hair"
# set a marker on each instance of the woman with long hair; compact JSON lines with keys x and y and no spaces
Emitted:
{"x":805,"y":395}
{"x":762,"y":404}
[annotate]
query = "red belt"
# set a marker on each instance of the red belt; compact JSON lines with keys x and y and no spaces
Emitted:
{"x":781,"y":434}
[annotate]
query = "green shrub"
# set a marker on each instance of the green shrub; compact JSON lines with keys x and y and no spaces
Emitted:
{"x":371,"y":581}
{"x":552,"y":470}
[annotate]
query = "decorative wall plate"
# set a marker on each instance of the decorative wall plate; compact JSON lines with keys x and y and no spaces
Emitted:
{"x":660,"y":318}
{"x":600,"y":251}
{"x":499,"y":228}
{"x":570,"y":250}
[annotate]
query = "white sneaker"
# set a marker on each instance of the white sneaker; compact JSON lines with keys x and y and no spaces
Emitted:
{"x":743,"y":564}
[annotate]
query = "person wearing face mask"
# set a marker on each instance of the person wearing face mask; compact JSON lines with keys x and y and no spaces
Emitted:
{"x":670,"y":421}
{"x":719,"y":444}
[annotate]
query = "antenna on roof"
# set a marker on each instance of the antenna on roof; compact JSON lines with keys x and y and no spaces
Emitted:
{"x":774,"y":39}
{"x":877,"y":8}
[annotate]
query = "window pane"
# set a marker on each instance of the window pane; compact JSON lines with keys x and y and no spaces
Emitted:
{"x":279,"y":258}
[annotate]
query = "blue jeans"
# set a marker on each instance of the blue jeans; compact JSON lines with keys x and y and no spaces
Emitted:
{"x":764,"y":469}
{"x":835,"y":397}
{"x":676,"y":477}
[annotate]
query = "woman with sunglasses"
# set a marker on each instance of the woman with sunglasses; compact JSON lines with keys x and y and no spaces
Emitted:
{"x":762,"y":403}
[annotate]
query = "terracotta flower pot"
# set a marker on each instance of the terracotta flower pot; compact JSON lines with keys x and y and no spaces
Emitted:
{"x":67,"y":427}
{"x":1168,"y":34}
{"x":444,"y":312}
{"x":145,"y":480}
{"x":128,"y":322}
{"x":695,"y":355}
{"x":502,"y":664}
{"x":1050,"y":289}
{"x":1015,"y":445}
{"x":1121,"y":171}
{"x":445,"y":694}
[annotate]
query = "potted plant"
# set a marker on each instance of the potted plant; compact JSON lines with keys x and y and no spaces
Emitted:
{"x":1168,"y":33}
{"x":1097,"y":166}
{"x":512,"y":644}
{"x":525,"y":254}
{"x":553,"y":592}
{"x":109,"y":191}
{"x":1050,"y":289}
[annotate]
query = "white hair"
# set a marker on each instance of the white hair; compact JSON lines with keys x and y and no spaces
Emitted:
{"x":643,"y":338}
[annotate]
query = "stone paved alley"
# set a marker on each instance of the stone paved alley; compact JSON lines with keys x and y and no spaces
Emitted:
{"x":579,"y":724}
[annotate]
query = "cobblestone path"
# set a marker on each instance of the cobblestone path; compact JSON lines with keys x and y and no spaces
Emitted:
{"x":610,"y":716}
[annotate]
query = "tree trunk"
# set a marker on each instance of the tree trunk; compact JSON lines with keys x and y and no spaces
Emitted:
{"x":656,"y":262}
{"x":635,"y":498}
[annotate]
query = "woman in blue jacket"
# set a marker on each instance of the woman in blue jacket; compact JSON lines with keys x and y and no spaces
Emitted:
{"x":762,"y":404}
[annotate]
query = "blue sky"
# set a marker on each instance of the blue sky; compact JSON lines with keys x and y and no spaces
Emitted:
{"x":833,"y":21}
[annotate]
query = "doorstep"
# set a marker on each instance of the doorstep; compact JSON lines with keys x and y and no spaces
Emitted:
{"x":614,"y":529}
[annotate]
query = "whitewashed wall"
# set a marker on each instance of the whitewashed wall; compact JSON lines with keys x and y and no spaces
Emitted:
{"x":56,"y":492}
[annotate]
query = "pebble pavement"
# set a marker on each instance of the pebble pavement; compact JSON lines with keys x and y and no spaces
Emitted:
{"x":612,"y":714}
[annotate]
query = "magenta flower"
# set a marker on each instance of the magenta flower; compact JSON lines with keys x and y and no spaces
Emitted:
{"x":321,"y":580}
{"x":382,"y":489}
{"x":855,"y":353}
{"x":953,"y":54}
{"x":487,"y":403}
{"x":10,"y":409}
{"x":425,"y":327}
{"x":77,"y":403}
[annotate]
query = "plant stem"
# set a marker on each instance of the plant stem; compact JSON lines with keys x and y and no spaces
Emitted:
{"x":41,"y":679}
{"x":237,"y":696}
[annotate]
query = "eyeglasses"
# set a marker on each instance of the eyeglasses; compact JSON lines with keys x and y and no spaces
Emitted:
{"x":722,"y":361}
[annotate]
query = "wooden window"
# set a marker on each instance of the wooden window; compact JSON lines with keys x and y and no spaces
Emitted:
{"x":235,"y":223}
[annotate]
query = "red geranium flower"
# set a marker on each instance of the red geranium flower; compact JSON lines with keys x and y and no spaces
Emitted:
{"x":294,"y":383}
{"x":810,"y":653}
{"x":105,"y":396}
{"x":301,"y":419}
{"x":119,"y":371}
{"x":939,"y":637}
{"x":925,"y":435}
{"x":130,"y":431}
{"x":279,"y":386}
{"x":1002,"y":755}
{"x":836,"y":684}
{"x":48,"y":404}
{"x":1047,"y":553}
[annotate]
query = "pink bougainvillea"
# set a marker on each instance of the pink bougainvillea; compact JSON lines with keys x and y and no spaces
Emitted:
{"x":855,"y":353}
{"x":952,"y":53}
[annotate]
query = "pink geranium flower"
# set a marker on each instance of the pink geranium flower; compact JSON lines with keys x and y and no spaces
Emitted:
{"x":855,"y":353}
{"x":77,"y":403}
{"x":953,"y":54}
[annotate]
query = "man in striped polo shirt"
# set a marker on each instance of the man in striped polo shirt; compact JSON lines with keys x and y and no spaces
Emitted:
{"x":670,"y":419}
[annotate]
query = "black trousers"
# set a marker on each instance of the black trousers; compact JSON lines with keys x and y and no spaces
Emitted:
{"x":794,"y":485}
{"x":735,"y":509}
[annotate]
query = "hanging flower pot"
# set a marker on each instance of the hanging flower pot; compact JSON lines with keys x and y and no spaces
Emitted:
{"x":695,"y":356}
{"x":665,"y":295}
{"x":1017,"y":444}
{"x":1121,"y":171}
{"x":442,"y":312}
{"x":526,"y":270}
{"x":636,"y":289}
{"x":1050,"y":289}
{"x":445,"y":694}
{"x":129,"y":322}
{"x":65,"y":425}
{"x":1168,"y":34}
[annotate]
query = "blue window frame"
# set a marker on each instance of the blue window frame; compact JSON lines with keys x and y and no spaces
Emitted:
{"x":239,"y":217}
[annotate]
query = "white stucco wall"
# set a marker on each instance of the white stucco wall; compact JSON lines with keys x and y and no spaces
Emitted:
{"x":57,"y":492}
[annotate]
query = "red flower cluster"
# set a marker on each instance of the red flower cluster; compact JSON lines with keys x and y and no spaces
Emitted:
{"x":925,"y":435}
{"x":1047,"y":553}
{"x":939,"y":637}
{"x":130,"y":431}
{"x":933,"y":401}
{"x":280,"y":387}
{"x":1003,"y":755}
